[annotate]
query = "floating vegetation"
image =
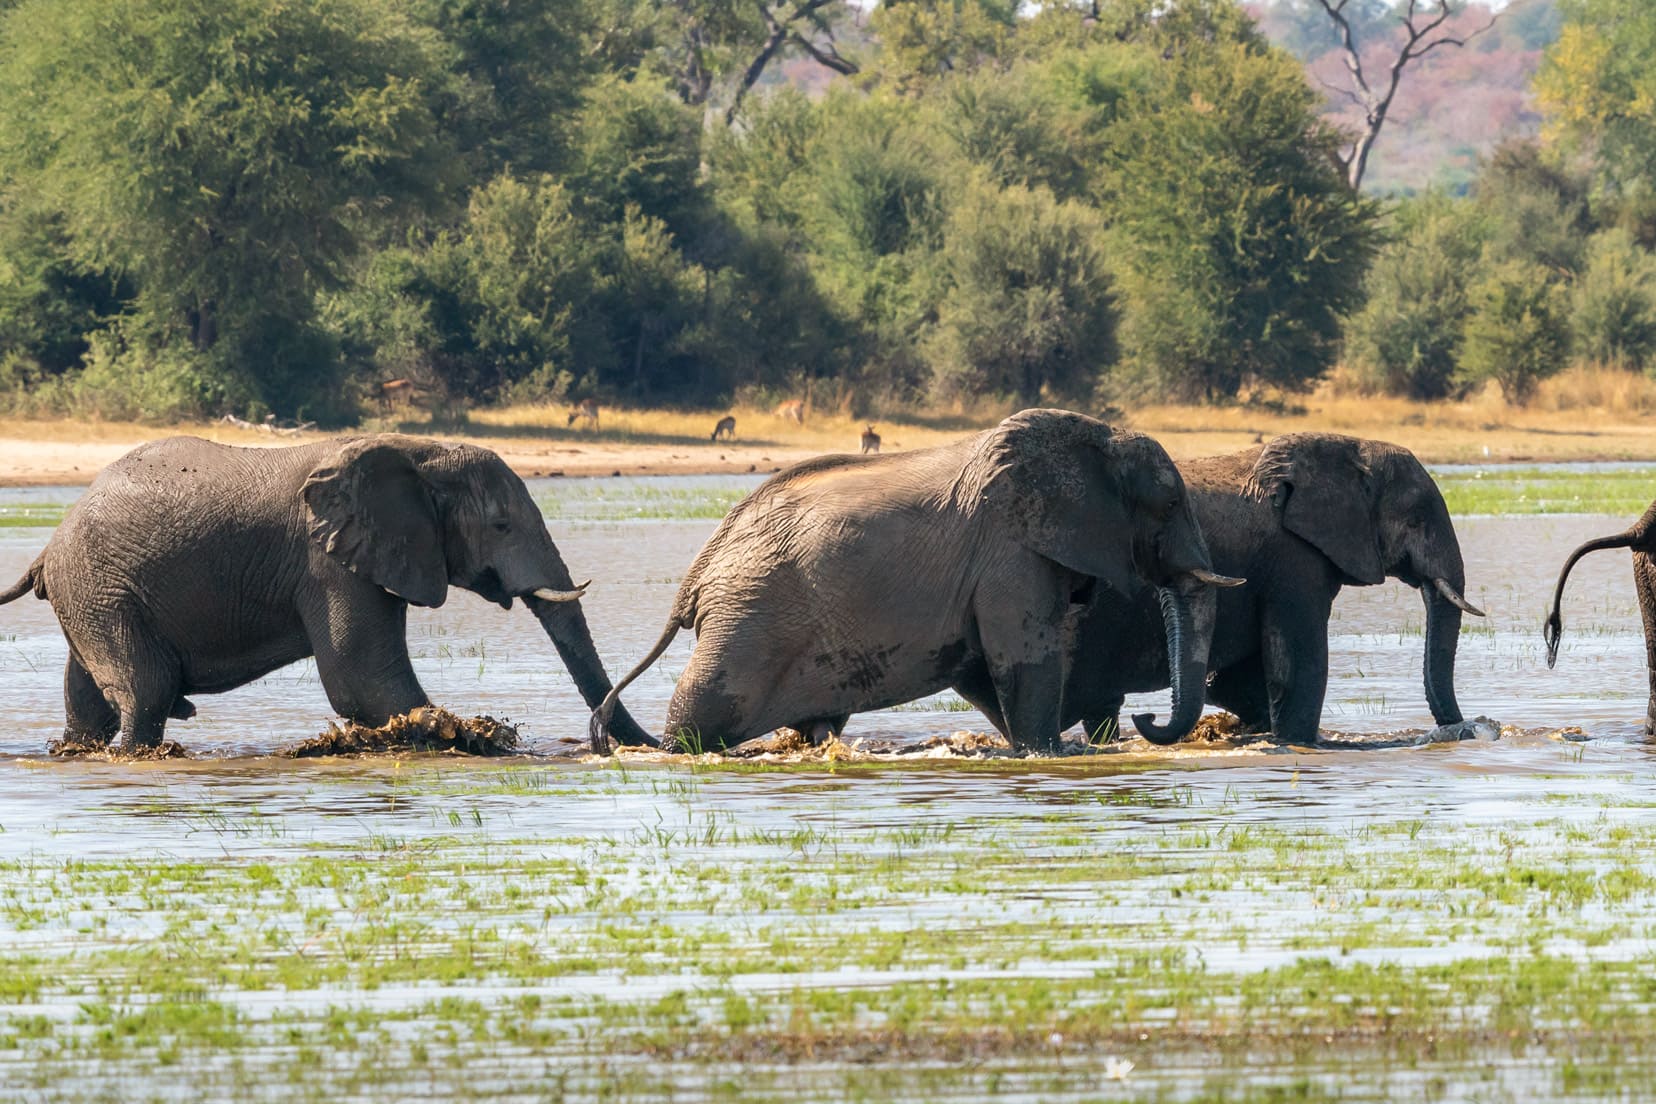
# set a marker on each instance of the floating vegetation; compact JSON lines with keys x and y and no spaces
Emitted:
{"x":426,"y":729}
{"x":83,"y":747}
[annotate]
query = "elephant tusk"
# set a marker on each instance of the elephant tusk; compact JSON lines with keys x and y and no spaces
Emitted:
{"x":546,"y":594}
{"x":1214,"y":579}
{"x":1456,"y":600}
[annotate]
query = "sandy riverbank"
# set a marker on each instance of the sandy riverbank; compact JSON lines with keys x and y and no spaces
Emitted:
{"x":536,"y":442}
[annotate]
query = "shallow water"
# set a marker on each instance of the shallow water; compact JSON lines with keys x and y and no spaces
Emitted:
{"x":474,"y":658}
{"x":1468,"y":921}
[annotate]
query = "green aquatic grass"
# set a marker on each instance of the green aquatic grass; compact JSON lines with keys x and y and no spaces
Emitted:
{"x":831,"y":937}
{"x":33,"y":516}
{"x":581,"y":500}
{"x":1500,"y":490}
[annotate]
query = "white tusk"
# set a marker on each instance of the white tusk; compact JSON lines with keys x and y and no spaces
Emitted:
{"x":546,"y":594}
{"x":1213,"y":579}
{"x":1456,"y":600}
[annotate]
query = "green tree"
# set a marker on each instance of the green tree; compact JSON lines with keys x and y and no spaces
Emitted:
{"x":1029,"y":306}
{"x":1406,"y":338}
{"x":1598,"y":88}
{"x":228,"y":156}
{"x":1239,"y":245}
{"x":1518,"y":331}
{"x":1613,"y":303}
{"x":921,"y":40}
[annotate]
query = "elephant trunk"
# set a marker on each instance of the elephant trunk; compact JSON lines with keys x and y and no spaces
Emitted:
{"x":1188,"y":607}
{"x":1553,"y":631}
{"x":1443,"y":621}
{"x":566,"y":625}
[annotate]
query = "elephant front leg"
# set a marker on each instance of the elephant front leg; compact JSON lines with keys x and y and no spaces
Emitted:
{"x":1103,"y":722}
{"x":1295,"y":660}
{"x":1021,"y":625}
{"x":361,"y":650}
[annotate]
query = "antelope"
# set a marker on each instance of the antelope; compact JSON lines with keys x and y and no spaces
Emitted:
{"x":584,"y":411}
{"x":870,"y":441}
{"x":793,"y":409}
{"x":726,"y":428}
{"x":397,"y":392}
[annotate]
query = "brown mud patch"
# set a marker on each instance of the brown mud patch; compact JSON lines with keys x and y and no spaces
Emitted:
{"x":92,"y":750}
{"x":426,"y":729}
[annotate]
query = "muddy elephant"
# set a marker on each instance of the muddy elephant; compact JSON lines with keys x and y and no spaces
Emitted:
{"x":193,"y":567}
{"x":851,"y":583}
{"x":1641,"y":538}
{"x":1299,"y":518}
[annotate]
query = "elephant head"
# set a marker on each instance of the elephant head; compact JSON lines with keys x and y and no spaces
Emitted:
{"x":1111,"y":505}
{"x":415,"y":517}
{"x":1375,"y":513}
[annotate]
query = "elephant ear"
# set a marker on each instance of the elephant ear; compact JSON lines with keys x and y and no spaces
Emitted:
{"x":1324,"y":493}
{"x":1049,"y":476}
{"x":368,"y":507}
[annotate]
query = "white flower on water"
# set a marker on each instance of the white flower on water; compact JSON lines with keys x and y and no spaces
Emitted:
{"x":1117,"y":1069}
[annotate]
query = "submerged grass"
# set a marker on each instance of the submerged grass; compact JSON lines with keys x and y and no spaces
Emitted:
{"x":857,"y":935}
{"x":1499,"y":490}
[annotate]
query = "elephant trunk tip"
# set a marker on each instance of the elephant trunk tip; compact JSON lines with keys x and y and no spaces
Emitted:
{"x":1155,"y":733}
{"x":598,"y":726}
{"x":1553,"y":633}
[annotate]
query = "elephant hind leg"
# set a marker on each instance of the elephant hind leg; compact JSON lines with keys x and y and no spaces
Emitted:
{"x":88,"y":715}
{"x":823,"y":729}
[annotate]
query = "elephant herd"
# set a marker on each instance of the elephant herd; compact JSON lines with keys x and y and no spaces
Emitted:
{"x":1043,"y":569}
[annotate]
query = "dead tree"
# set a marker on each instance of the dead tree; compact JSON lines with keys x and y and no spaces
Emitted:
{"x":1422,"y":23}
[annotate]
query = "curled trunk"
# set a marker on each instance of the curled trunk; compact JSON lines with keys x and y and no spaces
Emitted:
{"x":1188,"y":609}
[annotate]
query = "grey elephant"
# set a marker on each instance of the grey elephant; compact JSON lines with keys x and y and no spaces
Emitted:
{"x":1641,"y":538}
{"x":851,"y":583}
{"x":193,"y":567}
{"x":1300,"y":518}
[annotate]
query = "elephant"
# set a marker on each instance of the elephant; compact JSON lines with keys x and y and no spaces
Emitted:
{"x":851,"y":583}
{"x":1641,"y":538}
{"x":194,"y":567}
{"x":1300,"y":518}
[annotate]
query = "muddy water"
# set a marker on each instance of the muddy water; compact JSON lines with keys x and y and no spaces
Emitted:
{"x":1108,"y":909}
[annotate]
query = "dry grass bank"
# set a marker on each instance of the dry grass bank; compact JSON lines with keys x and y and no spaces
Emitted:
{"x":1585,"y":414}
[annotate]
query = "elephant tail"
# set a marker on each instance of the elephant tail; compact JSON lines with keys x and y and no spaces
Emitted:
{"x":33,"y":579}
{"x":598,"y":727}
{"x":1553,"y":631}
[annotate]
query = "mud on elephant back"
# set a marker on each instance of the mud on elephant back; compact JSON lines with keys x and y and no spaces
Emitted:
{"x":852,"y":583}
{"x":190,"y":567}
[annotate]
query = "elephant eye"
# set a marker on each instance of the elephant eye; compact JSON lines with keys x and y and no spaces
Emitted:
{"x":502,"y":526}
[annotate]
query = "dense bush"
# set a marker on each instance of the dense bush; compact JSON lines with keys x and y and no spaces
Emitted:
{"x":1518,"y":332}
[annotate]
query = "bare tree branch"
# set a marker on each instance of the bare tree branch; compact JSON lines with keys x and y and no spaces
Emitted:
{"x":1420,"y":21}
{"x":781,"y":31}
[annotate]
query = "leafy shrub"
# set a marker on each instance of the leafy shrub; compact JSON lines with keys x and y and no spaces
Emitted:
{"x":1613,"y":308}
{"x":1518,"y":331}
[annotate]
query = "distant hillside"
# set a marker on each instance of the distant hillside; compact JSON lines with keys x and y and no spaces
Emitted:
{"x":1454,"y":104}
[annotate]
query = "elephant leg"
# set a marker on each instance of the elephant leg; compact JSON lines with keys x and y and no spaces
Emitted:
{"x":361,"y":647}
{"x":88,"y":715}
{"x":1644,"y":581}
{"x":1020,"y":623}
{"x":820,"y":731}
{"x":1295,"y":661}
{"x":1241,"y":689}
{"x":978,"y":688}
